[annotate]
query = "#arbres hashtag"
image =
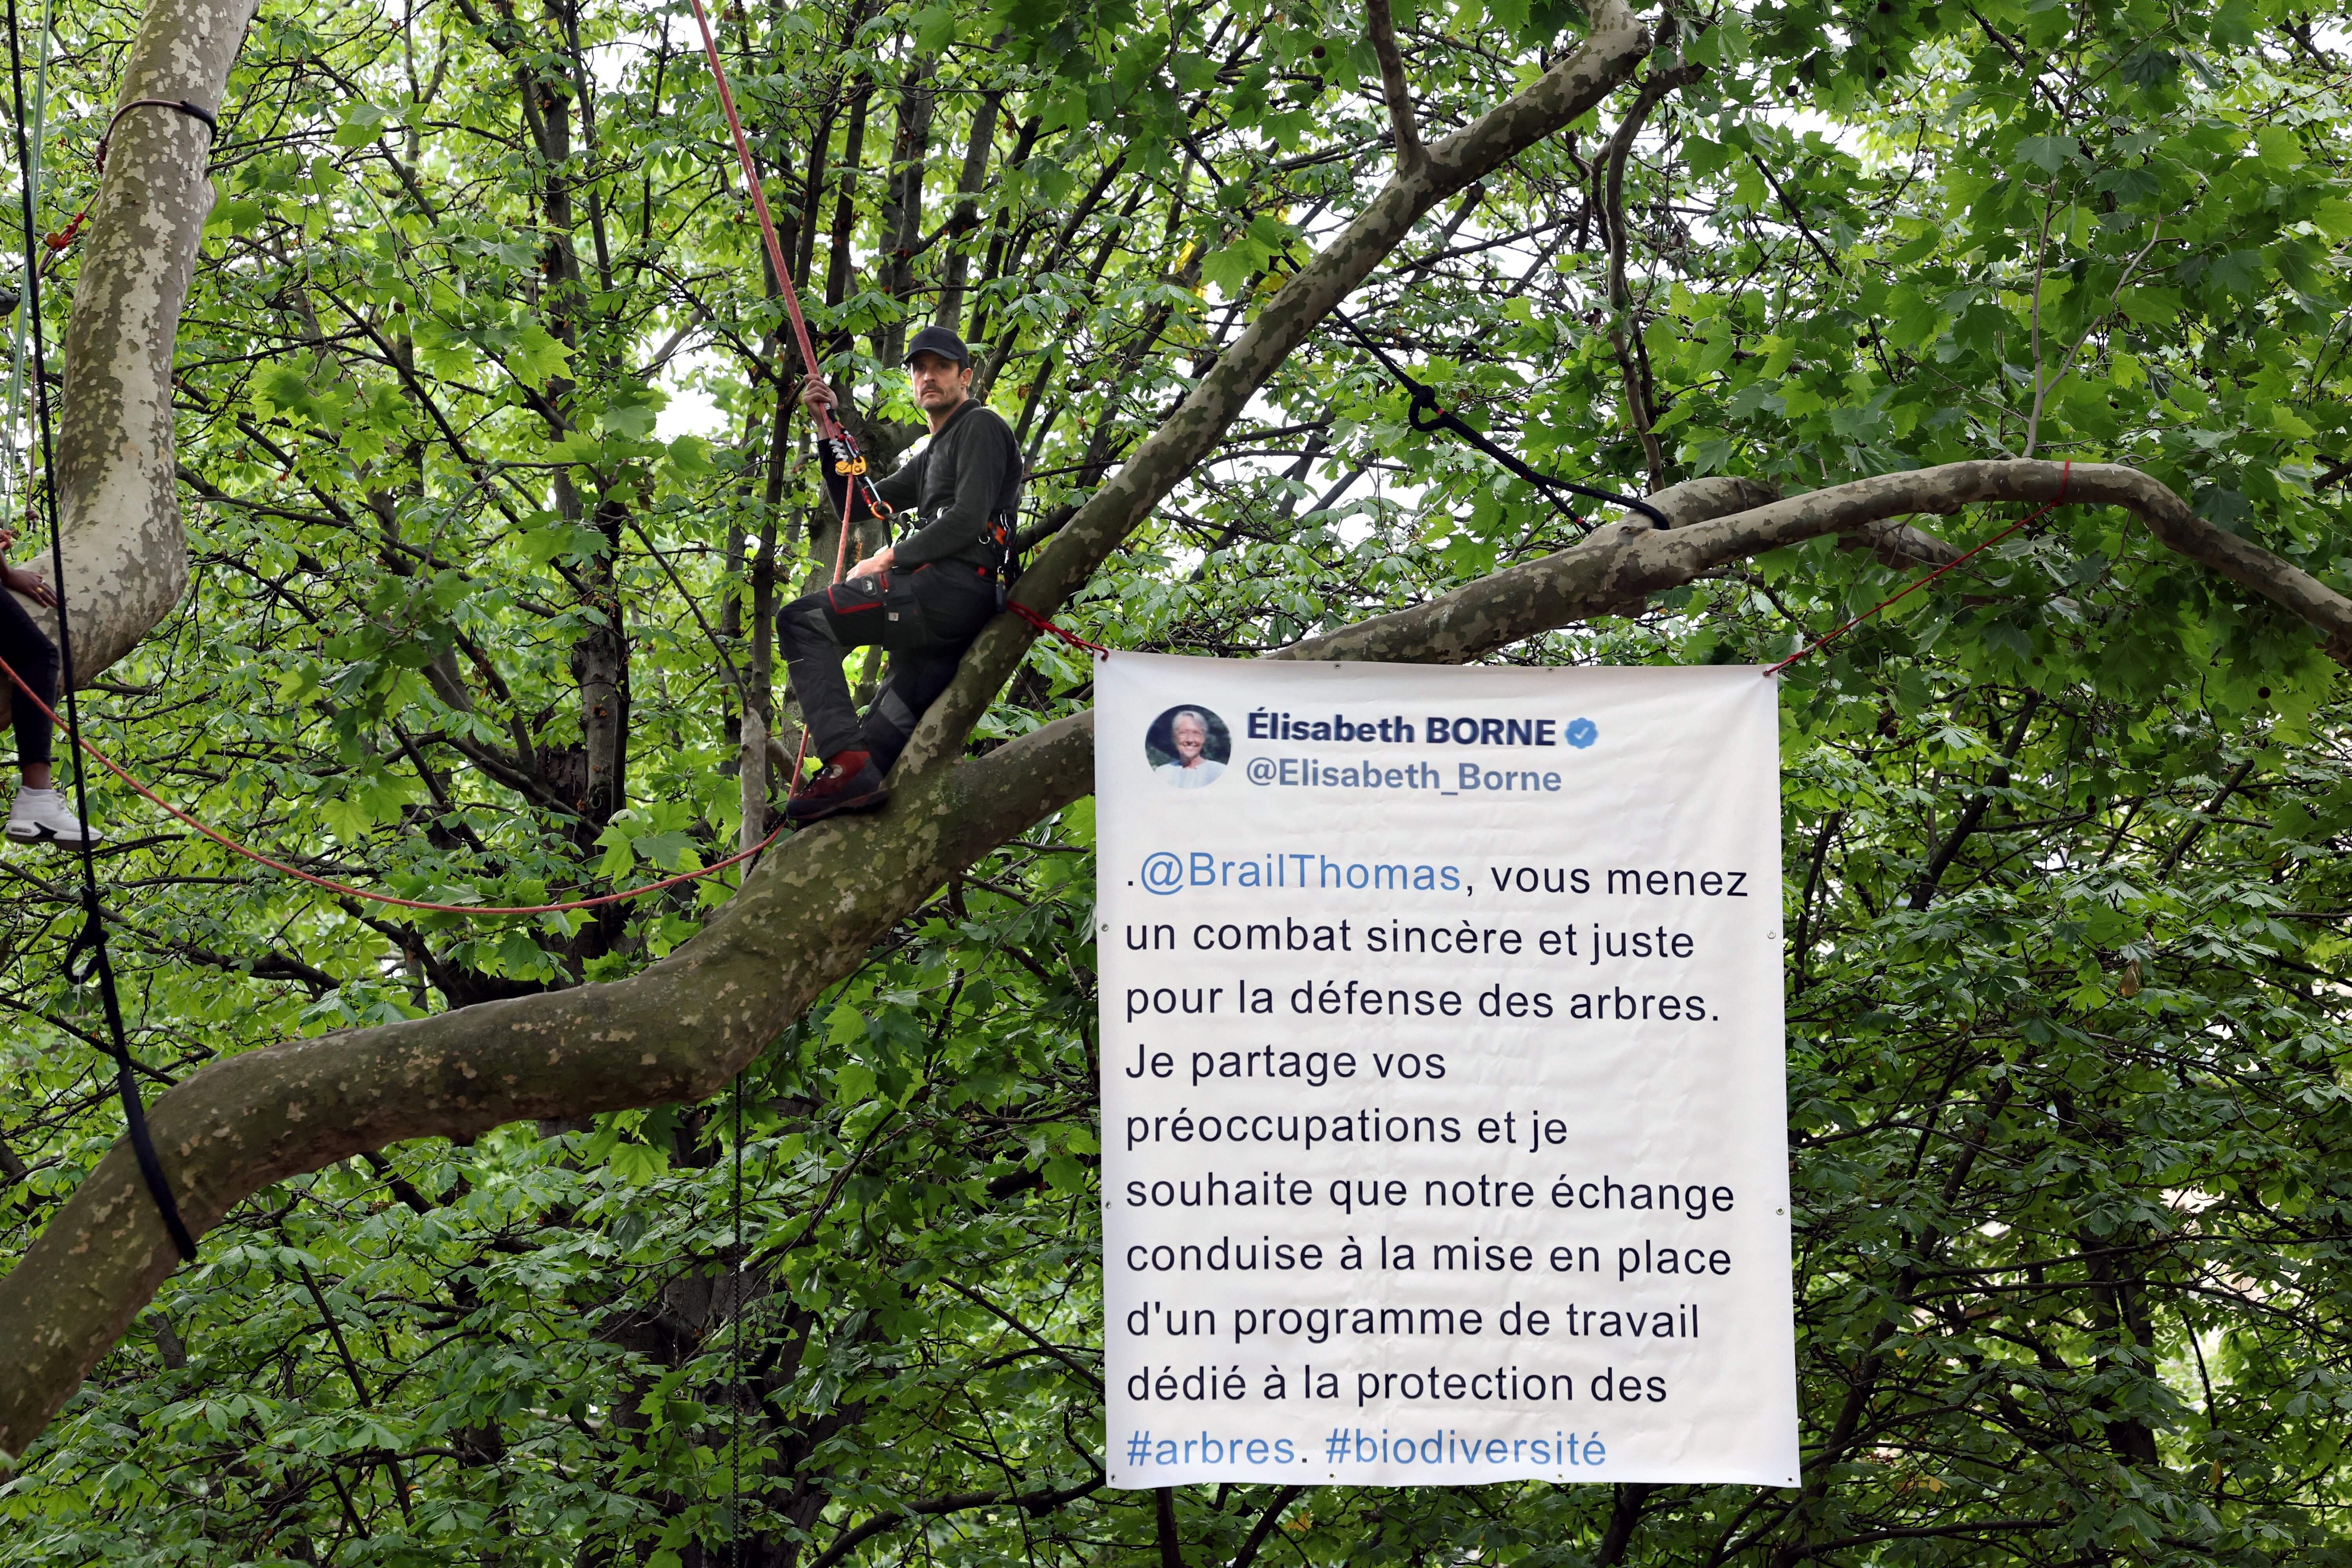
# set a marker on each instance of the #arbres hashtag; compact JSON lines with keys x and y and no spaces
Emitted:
{"x":1139,"y":1448}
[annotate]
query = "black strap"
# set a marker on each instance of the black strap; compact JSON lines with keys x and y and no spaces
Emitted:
{"x":194,"y":111}
{"x":87,"y":959}
{"x":1427,"y":415}
{"x":92,"y":938}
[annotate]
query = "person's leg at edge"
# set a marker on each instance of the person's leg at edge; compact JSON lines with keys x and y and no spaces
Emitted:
{"x":40,"y":813}
{"x":813,"y":632}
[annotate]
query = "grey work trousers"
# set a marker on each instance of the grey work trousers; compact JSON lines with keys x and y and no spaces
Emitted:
{"x":926,"y":618}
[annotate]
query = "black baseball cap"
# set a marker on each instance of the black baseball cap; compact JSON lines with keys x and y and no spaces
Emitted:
{"x":939,"y":340}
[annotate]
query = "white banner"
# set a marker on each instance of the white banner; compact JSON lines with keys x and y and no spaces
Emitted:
{"x":1444,"y":1131}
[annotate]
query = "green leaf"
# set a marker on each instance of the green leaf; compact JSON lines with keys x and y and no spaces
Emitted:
{"x":853,"y":1083}
{"x":536,"y":355}
{"x":1230,"y":269}
{"x":633,"y":420}
{"x":935,"y":29}
{"x":2149,"y":306}
{"x":347,"y":818}
{"x":2049,"y":153}
{"x":620,"y":854}
{"x":361,"y":124}
{"x":636,"y":1163}
{"x":671,"y":851}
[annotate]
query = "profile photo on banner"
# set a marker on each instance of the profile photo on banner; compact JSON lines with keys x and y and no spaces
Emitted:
{"x":1187,"y":747}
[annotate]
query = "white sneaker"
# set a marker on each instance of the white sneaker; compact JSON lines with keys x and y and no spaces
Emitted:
{"x":42,"y":816}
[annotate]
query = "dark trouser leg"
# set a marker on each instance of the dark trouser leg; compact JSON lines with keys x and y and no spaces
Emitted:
{"x":954,"y":609}
{"x":814,"y":631}
{"x":34,"y":657}
{"x":915,"y":681}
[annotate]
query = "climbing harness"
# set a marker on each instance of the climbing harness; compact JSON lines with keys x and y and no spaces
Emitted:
{"x":87,"y":958}
{"x":2055,"y":502}
{"x":1427,"y":415}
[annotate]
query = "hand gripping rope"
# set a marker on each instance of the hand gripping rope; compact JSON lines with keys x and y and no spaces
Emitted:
{"x":2055,"y":502}
{"x":1427,"y":413}
{"x":90,"y":946}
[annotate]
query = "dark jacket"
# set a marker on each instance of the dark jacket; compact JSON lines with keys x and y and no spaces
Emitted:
{"x":969,"y":472}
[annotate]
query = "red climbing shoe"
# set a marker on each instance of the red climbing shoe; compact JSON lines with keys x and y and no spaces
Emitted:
{"x":849,"y":781}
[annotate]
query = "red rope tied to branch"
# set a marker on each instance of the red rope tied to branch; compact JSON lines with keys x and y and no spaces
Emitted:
{"x":25,"y":694}
{"x":2051,"y":505}
{"x":1045,"y":625}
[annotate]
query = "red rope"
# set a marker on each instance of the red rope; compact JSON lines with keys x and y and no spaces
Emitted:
{"x":854,"y":469}
{"x":2051,"y":505}
{"x":345,"y":889}
{"x":1045,"y":625}
{"x":826,"y":425}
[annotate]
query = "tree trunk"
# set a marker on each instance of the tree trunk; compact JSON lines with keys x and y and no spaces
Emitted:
{"x":126,"y":556}
{"x":966,"y":216}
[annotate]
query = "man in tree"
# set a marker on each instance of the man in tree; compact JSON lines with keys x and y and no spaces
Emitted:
{"x":923,"y":598}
